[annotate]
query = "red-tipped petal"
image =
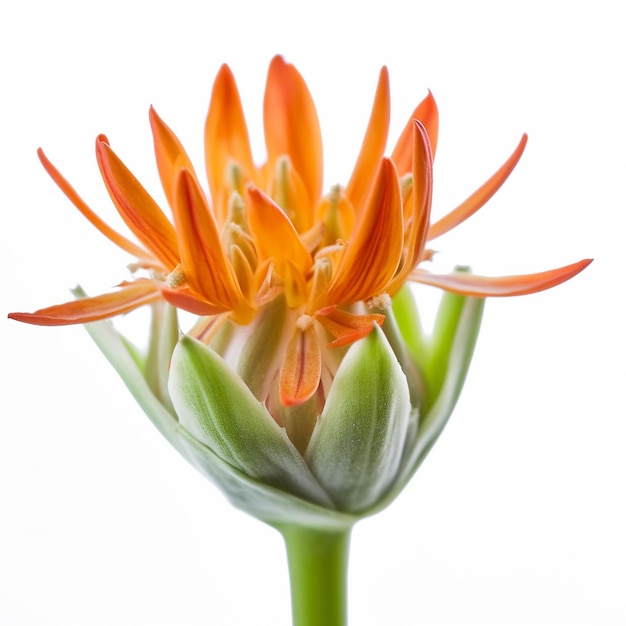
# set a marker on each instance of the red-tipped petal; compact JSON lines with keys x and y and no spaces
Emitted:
{"x":373,"y":146}
{"x":372,"y":256}
{"x":292,"y":126}
{"x":84,"y":310}
{"x":347,"y":327}
{"x":170,"y":154}
{"x":137,"y":208}
{"x":80,"y":204}
{"x":301,"y":369}
{"x":500,"y":286}
{"x":479,"y":197}
{"x":426,"y":112}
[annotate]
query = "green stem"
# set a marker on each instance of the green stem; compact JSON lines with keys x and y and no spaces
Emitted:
{"x":318,"y":564}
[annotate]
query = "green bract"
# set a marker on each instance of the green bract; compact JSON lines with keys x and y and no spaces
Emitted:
{"x":389,"y":399}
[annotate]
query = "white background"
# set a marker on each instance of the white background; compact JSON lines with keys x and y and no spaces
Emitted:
{"x":518,"y":515}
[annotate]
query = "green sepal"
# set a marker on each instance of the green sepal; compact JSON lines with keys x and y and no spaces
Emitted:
{"x":261,"y":351}
{"x":125,"y":362}
{"x":269,"y":504}
{"x":357,"y":444}
{"x":459,"y":323}
{"x":215,"y":407}
{"x":164,"y":335}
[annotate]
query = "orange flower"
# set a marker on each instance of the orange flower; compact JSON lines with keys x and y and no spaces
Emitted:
{"x":269,"y":231}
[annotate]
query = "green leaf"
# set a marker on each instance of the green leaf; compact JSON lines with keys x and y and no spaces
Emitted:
{"x":216,"y":407}
{"x":356,"y":447}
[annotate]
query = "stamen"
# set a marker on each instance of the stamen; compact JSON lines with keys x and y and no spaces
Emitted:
{"x":176,"y":278}
{"x":381,"y":302}
{"x":237,"y":211}
{"x":304,"y":322}
{"x":234,"y":176}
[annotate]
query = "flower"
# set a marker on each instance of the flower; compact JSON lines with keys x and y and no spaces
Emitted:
{"x":300,"y":295}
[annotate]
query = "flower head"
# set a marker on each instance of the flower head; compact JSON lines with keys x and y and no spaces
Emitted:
{"x":284,"y":277}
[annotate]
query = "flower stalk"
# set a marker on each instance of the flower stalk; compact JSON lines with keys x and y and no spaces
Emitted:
{"x":318,"y":572}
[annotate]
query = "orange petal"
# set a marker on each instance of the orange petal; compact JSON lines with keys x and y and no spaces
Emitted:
{"x":84,"y":310}
{"x":291,"y":124}
{"x":426,"y":112}
{"x":137,"y":208}
{"x":421,"y":201}
{"x":274,"y":234}
{"x":373,"y":146}
{"x":80,"y":204}
{"x":485,"y":286}
{"x":187,"y":300}
{"x":170,"y":154}
{"x":225,"y":133}
{"x":480,"y":196}
{"x":203,"y":259}
{"x":301,"y":369}
{"x":347,"y":327}
{"x":372,"y":256}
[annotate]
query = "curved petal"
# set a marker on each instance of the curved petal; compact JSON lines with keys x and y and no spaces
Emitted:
{"x":426,"y":112}
{"x":291,"y":124}
{"x":79,"y":203}
{"x":422,"y":195}
{"x":498,"y":286}
{"x":137,"y":208}
{"x":480,"y":196}
{"x":203,"y":259}
{"x":347,"y":327}
{"x":373,"y":146}
{"x":225,"y":133}
{"x":185,"y":299}
{"x":372,"y":256}
{"x":301,"y":370}
{"x":274,"y":234}
{"x":170,"y":154}
{"x":84,"y":310}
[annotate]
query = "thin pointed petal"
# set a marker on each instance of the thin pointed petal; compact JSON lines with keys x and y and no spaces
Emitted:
{"x":426,"y":112}
{"x":170,"y":154}
{"x":421,"y":201}
{"x":373,"y":147}
{"x":84,"y":310}
{"x":203,"y":259}
{"x":301,"y":369}
{"x":187,"y":300}
{"x":79,"y":203}
{"x":347,"y":327}
{"x":480,"y":196}
{"x":274,"y":233}
{"x":137,"y":208}
{"x":291,"y":124}
{"x":226,"y":136}
{"x":485,"y":286}
{"x":372,"y":256}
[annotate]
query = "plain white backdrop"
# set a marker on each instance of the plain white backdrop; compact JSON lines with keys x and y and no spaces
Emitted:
{"x":519,"y":514}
